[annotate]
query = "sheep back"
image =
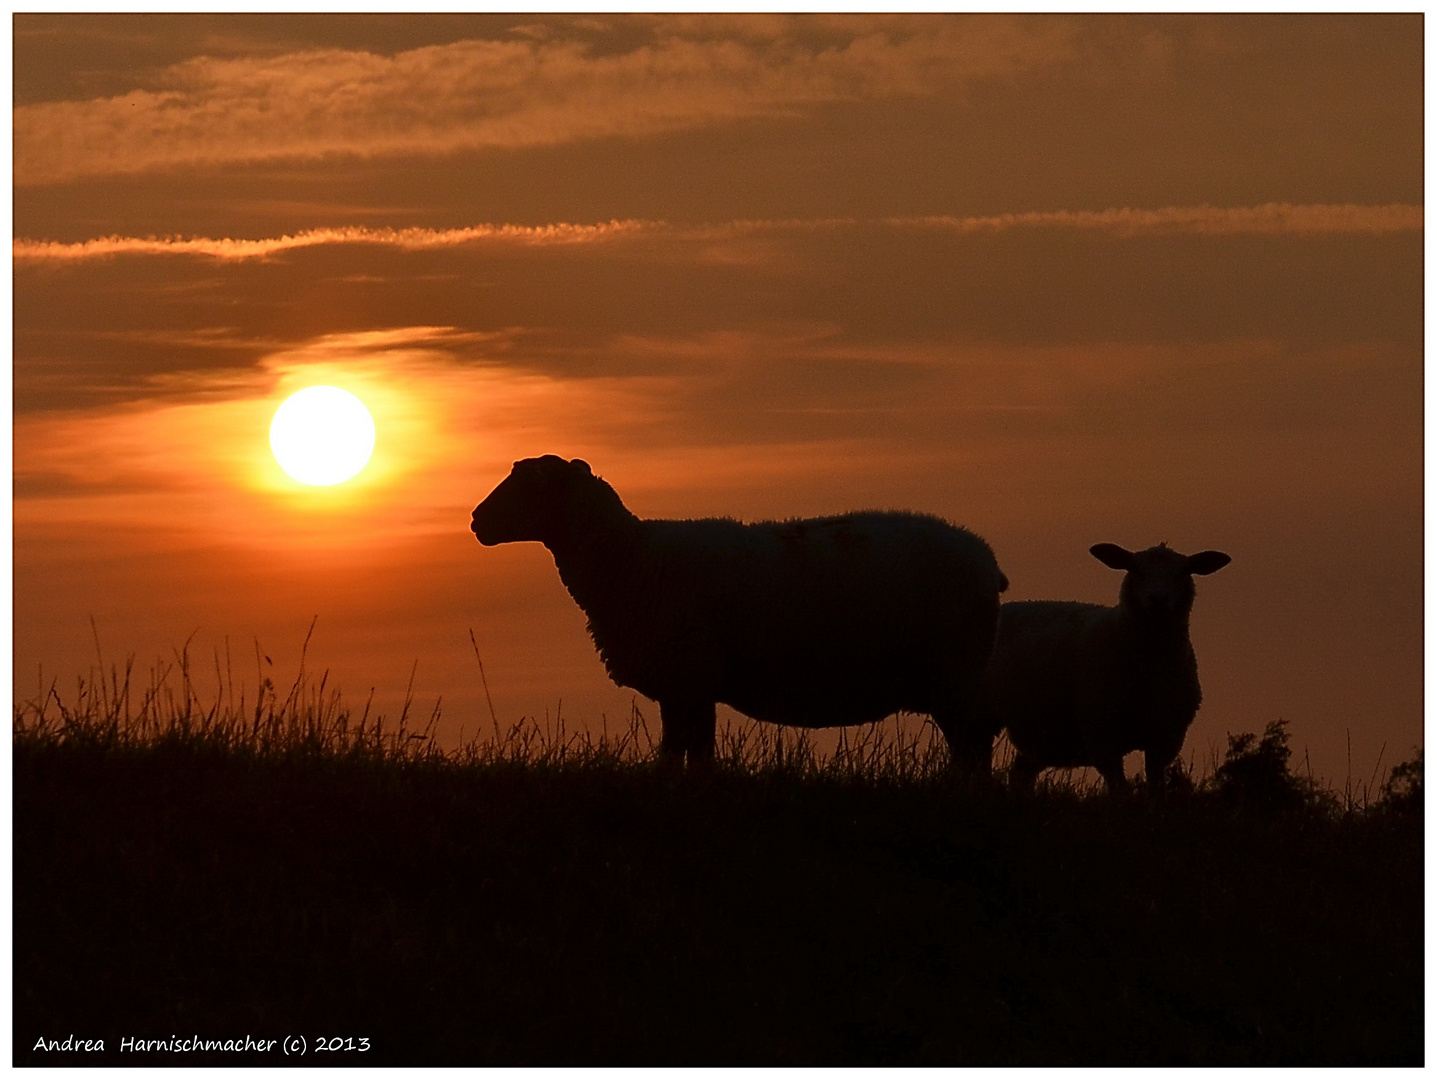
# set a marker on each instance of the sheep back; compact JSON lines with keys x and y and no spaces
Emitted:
{"x":815,"y":623}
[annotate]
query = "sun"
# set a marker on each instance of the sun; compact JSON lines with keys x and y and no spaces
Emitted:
{"x":322,"y":435}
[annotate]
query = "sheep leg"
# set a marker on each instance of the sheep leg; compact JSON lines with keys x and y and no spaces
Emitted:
{"x":970,"y":746}
{"x":1155,"y":766}
{"x":702,"y":734}
{"x":674,"y":739}
{"x":1023,"y":773}
{"x":1112,"y":772}
{"x":688,"y":731}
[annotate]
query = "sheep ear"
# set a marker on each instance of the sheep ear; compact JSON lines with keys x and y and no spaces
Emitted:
{"x":1119,"y":558}
{"x":1207,"y":562}
{"x":582,"y":466}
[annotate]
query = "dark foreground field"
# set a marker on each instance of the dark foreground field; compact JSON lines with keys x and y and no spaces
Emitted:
{"x":587,"y":909}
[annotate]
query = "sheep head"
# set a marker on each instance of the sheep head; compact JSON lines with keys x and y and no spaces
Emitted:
{"x":1159,"y":581}
{"x":531,"y":502}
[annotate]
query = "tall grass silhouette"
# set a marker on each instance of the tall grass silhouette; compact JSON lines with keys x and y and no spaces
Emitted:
{"x":120,"y":707}
{"x":117,"y":707}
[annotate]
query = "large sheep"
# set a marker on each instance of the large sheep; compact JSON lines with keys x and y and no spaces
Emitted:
{"x":1082,"y":684}
{"x":816,"y":623}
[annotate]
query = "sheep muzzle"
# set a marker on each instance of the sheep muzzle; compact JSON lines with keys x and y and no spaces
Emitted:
{"x":477,"y":525}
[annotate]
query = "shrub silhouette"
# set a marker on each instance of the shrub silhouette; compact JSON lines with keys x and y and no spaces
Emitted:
{"x":1403,"y":791}
{"x":1254,"y":775}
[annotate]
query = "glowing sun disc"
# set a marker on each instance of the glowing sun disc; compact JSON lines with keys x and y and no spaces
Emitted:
{"x":322,"y":435}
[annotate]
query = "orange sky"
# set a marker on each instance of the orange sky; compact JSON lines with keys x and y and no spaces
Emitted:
{"x":1060,"y":280}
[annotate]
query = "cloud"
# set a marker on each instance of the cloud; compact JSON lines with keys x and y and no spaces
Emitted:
{"x":526,"y":90}
{"x":1269,"y":219}
{"x":416,"y":239}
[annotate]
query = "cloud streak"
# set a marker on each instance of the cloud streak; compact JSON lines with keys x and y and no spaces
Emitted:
{"x":1269,"y":219}
{"x":229,"y":249}
{"x":474,"y":94}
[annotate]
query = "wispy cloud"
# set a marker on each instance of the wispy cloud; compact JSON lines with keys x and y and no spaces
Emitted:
{"x":1271,"y":219}
{"x":516,"y":92}
{"x":230,"y":249}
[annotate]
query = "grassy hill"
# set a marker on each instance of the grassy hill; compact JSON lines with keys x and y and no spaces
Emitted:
{"x":283,"y":869}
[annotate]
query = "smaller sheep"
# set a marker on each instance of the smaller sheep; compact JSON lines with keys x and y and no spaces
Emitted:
{"x":1083,"y":684}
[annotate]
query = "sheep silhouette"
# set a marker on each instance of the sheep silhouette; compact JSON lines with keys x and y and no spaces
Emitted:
{"x":812,"y":623}
{"x":1083,"y":684}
